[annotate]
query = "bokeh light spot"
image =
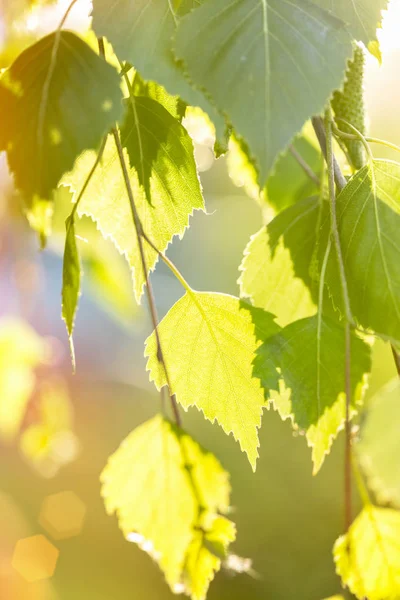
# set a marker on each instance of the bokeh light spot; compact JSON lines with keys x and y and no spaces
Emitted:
{"x":62,"y":515}
{"x":35,"y":558}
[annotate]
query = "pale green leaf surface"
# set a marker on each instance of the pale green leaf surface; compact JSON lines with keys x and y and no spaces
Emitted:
{"x":379,"y":445}
{"x":209,"y":342}
{"x":71,"y":277}
{"x":201,"y":562}
{"x":267,"y":64}
{"x":276,"y":264}
{"x":49,"y":120}
{"x":309,"y":356}
{"x":163,"y":177}
{"x":363,"y":17}
{"x":369,"y":224}
{"x":287,"y":184}
{"x":141,"y":33}
{"x":368,"y":557}
{"x":164,"y":487}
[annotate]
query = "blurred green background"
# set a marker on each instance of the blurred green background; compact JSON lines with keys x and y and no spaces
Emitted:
{"x":287,"y":520}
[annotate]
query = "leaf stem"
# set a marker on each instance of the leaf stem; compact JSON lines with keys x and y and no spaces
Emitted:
{"x":149,"y":290}
{"x":304,"y":165}
{"x":89,"y":177}
{"x":348,"y":316}
{"x":170,"y":265}
{"x":353,"y":136}
{"x":140,"y":237}
{"x":319,"y":129}
{"x":361,"y":487}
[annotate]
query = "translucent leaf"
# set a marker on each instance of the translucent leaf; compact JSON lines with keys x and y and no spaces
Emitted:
{"x":267,"y":64}
{"x":153,"y":90}
{"x":209,"y":342}
{"x":368,"y":557}
{"x":71,"y":280}
{"x":379,"y":445}
{"x":276,"y":264}
{"x":168,"y":492}
{"x":49,"y":120}
{"x":141,"y":33}
{"x":309,"y":356}
{"x":107,"y":274}
{"x":163,"y":177}
{"x":369,"y":223}
{"x":288,"y":183}
{"x":362,"y":17}
{"x":21,"y":351}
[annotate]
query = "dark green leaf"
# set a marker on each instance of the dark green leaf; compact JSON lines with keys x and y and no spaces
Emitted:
{"x":141,"y":33}
{"x":309,"y":357}
{"x":71,"y":279}
{"x":369,"y":225}
{"x":267,"y":64}
{"x":60,"y":98}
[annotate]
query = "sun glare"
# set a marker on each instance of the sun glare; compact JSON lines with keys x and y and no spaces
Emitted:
{"x":388,"y":36}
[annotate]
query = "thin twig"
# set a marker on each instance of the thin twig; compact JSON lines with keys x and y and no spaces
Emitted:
{"x":304,"y":165}
{"x":140,"y":238}
{"x":396,"y":357}
{"x":319,"y":129}
{"x":348,"y":315}
{"x":149,"y":290}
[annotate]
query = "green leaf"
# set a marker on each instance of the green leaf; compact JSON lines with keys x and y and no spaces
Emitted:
{"x":64,"y":97}
{"x":369,"y":223}
{"x":276,"y":264}
{"x":379,"y":445}
{"x":168,"y":494}
{"x":288,"y":183}
{"x":141,"y":33}
{"x":368,"y":557}
{"x":267,"y":64}
{"x":151,"y":89}
{"x":71,"y":281}
{"x":362,"y":17}
{"x":309,"y":357}
{"x":209,"y":342}
{"x":163,"y":177}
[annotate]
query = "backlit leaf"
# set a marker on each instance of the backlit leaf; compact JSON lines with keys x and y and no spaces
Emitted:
{"x":276,"y":264}
{"x":379,"y":445}
{"x":71,"y":280}
{"x":362,"y":17}
{"x":369,"y":223}
{"x":209,"y":342}
{"x":163,"y":177}
{"x":267,"y":64}
{"x":287,"y":184}
{"x":309,"y":356}
{"x":141,"y":33}
{"x":368,"y":557}
{"x":168,"y":494}
{"x":50,"y":121}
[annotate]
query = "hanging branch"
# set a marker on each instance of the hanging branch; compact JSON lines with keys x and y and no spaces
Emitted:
{"x":324,"y":135}
{"x":140,"y":238}
{"x":304,"y":165}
